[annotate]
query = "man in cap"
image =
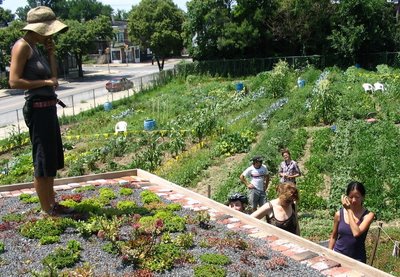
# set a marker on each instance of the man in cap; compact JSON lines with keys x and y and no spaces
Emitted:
{"x":256,"y":179}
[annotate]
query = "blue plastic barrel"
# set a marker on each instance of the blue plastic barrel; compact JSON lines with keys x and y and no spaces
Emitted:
{"x":239,"y":86}
{"x":107,"y":106}
{"x":301,"y":82}
{"x":149,"y":124}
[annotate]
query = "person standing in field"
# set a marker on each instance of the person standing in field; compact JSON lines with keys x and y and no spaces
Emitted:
{"x":288,"y":169}
{"x":37,"y":75}
{"x":256,"y":179}
{"x":351,"y":224}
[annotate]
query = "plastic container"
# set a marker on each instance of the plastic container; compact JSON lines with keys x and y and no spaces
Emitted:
{"x":149,"y":124}
{"x":107,"y":106}
{"x":239,"y":86}
{"x":301,"y":82}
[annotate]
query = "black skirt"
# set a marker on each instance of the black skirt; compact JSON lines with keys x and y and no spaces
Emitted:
{"x":45,"y":135}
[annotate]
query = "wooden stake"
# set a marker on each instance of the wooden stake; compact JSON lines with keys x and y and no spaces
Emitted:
{"x":376,"y":243}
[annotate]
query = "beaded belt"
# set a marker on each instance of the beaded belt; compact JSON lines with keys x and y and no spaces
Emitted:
{"x":49,"y":103}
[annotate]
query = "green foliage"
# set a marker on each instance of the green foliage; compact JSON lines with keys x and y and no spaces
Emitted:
{"x":125,"y":191}
{"x":209,"y":270}
{"x":324,"y":100}
{"x":64,"y":257}
{"x":85,"y":188}
{"x":185,"y":241}
{"x":2,"y":247}
{"x":13,"y":217}
{"x":28,"y":198}
{"x":46,"y":227}
{"x":277,"y":81}
{"x":149,"y":197}
{"x":127,"y":206}
{"x":156,"y":25}
{"x":232,"y":143}
{"x":106,"y":194}
{"x":49,"y":240}
{"x":216,"y":259}
{"x":110,"y":248}
{"x":174,"y":207}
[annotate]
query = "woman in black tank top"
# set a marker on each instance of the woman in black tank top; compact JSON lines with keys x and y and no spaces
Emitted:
{"x":37,"y":75}
{"x":281,"y":212}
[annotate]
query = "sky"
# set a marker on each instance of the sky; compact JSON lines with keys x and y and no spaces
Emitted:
{"x":115,"y":4}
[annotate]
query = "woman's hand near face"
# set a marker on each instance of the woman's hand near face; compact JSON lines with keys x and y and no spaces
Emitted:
{"x":345,"y":202}
{"x":49,"y":44}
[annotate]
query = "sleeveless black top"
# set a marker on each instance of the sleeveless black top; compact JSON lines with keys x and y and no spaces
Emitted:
{"x":38,"y":68}
{"x":289,"y":224}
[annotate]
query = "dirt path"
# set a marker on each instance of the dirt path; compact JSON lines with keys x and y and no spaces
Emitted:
{"x":324,"y":193}
{"x":217,"y":174}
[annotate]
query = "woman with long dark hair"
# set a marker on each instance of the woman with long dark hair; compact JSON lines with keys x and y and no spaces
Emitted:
{"x":351,"y":224}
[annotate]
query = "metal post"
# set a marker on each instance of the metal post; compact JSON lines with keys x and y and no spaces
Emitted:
{"x":73,"y":106}
{"x":208,"y":191}
{"x":94,"y":99}
{"x":19,"y":129}
{"x":376,"y":243}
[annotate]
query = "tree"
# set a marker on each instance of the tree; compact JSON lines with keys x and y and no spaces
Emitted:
{"x":360,"y":26}
{"x":5,"y":17}
{"x":204,"y":27}
{"x":301,"y":27}
{"x":79,"y":10}
{"x":8,"y":36}
{"x":80,"y":37}
{"x":83,"y":10}
{"x":157,"y":24}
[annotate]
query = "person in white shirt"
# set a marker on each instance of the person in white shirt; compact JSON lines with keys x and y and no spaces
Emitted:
{"x":256,"y":179}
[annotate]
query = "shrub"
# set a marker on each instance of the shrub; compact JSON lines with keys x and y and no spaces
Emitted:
{"x":209,"y":270}
{"x":216,"y":259}
{"x":49,"y":240}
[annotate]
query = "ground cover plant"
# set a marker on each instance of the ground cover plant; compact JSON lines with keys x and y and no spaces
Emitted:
{"x":149,"y":237}
{"x":335,"y":129}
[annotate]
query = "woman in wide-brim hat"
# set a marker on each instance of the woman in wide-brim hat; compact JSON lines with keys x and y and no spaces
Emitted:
{"x":31,"y":71}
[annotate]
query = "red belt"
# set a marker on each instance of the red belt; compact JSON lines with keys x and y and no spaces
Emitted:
{"x":49,"y":103}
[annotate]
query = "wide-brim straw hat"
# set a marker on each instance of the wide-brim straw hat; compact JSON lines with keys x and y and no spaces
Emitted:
{"x":43,"y":21}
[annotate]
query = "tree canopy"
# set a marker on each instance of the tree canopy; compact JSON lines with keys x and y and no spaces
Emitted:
{"x":157,"y":24}
{"x":81,"y":36}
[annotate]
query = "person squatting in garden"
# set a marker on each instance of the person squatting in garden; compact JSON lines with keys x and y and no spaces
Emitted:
{"x":238,"y":202}
{"x":288,"y":169}
{"x":351,"y":224}
{"x":281,"y":212}
{"x":256,"y":179}
{"x":31,"y":71}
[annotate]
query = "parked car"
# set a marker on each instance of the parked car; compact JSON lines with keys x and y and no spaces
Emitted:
{"x":118,"y":84}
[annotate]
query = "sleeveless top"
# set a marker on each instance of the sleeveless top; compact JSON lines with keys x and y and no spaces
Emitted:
{"x":38,"y":68}
{"x":349,"y":245}
{"x":289,"y":224}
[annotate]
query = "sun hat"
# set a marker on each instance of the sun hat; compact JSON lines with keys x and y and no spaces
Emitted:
{"x":43,"y":21}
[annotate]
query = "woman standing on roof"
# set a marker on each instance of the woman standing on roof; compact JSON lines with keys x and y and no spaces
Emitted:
{"x":31,"y":71}
{"x":351,"y":224}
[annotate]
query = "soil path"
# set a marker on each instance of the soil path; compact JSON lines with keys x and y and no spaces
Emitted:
{"x":217,"y":174}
